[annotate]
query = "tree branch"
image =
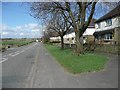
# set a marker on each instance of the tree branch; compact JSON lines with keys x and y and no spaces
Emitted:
{"x":91,"y":14}
{"x":88,"y":4}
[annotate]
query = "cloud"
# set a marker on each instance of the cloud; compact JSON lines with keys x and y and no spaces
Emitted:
{"x":5,"y":33}
{"x":3,"y":26}
{"x":31,"y":26}
{"x":18,"y":27}
{"x":29,"y":30}
{"x":21,"y":34}
{"x":35,"y":30}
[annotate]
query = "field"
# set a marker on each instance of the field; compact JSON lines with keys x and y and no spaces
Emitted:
{"x":14,"y":43}
{"x":77,"y":64}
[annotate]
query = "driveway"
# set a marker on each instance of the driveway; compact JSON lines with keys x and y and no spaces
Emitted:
{"x":48,"y":73}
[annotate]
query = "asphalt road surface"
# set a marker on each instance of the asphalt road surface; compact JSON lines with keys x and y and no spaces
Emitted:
{"x":17,"y":64}
{"x":48,"y":73}
{"x":32,"y":66}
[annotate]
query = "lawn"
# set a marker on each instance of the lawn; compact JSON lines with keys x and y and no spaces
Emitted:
{"x":77,"y":64}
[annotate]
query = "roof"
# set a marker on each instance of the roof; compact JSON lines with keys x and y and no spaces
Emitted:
{"x":91,"y":25}
{"x":113,"y":13}
{"x":103,"y":32}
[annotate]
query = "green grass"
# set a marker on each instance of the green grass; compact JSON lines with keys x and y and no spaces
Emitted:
{"x":77,"y":64}
{"x":13,"y":43}
{"x":17,"y":43}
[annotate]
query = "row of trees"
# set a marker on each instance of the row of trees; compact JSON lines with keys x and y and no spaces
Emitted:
{"x":61,"y":16}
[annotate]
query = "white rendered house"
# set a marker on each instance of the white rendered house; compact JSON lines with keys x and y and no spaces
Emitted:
{"x":88,"y":35}
{"x":107,"y":27}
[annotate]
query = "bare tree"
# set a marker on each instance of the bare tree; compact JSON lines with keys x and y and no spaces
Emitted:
{"x":78,"y":14}
{"x":58,"y":24}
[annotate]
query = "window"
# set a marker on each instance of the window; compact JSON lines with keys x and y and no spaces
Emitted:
{"x":68,"y":39}
{"x":108,"y":22}
{"x":107,"y":36}
{"x":97,"y":37}
{"x":98,"y":25}
{"x":72,"y":38}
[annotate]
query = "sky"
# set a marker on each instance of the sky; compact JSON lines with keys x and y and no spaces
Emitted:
{"x":17,"y":23}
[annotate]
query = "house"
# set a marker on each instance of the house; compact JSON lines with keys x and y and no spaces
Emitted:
{"x":69,"y":38}
{"x":107,"y":27}
{"x":55,"y":39}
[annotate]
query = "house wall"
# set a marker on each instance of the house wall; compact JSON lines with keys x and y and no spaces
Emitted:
{"x":70,"y":38}
{"x":117,"y":35}
{"x":115,"y":27}
{"x":115,"y":23}
{"x":55,"y":39}
{"x":89,"y":31}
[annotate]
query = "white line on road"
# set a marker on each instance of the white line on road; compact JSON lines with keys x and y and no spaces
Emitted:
{"x":22,"y":51}
{"x":16,"y":53}
{"x":10,"y":54}
{"x":4,"y":59}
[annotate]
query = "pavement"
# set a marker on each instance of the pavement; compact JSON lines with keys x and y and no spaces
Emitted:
{"x":48,"y":73}
{"x":32,"y":66}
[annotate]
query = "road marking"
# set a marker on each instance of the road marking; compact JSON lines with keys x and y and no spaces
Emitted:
{"x":10,"y":54}
{"x":4,"y":59}
{"x":22,"y":51}
{"x":15,"y":53}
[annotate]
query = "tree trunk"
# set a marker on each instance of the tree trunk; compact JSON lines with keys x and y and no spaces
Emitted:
{"x":62,"y":42}
{"x":79,"y":44}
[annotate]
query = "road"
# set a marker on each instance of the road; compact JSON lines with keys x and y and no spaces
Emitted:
{"x":32,"y":66}
{"x":50,"y":74}
{"x":17,"y":64}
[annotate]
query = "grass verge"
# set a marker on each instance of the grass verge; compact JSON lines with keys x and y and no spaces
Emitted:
{"x":77,"y":64}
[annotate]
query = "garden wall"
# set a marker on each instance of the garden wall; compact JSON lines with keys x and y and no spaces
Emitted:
{"x":114,"y":49}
